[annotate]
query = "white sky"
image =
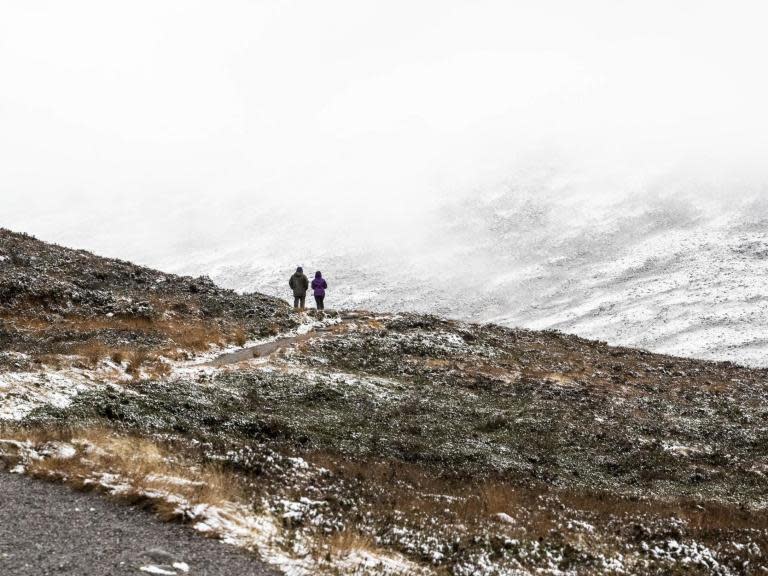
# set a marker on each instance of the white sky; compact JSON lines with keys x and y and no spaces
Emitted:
{"x":367,"y":107}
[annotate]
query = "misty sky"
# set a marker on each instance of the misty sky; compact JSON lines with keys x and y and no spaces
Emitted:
{"x":121,"y":118}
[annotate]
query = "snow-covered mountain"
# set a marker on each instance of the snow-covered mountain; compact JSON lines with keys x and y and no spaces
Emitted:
{"x":677,"y":273}
{"x":681,"y":269}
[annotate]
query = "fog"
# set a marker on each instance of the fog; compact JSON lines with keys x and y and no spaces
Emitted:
{"x":400,"y":146}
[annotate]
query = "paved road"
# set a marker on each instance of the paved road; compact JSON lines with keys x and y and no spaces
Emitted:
{"x":50,"y":529}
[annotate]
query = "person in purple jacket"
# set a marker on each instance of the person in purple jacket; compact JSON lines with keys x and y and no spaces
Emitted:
{"x":319,"y":286}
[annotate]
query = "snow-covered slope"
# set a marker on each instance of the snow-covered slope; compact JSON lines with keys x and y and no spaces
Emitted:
{"x":674,"y":273}
{"x":680,"y":270}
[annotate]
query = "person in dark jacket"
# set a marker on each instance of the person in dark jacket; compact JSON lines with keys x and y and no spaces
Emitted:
{"x":319,"y":286}
{"x":299,"y":283}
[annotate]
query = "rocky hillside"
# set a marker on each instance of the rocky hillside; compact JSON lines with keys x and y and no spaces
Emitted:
{"x":365,"y":443}
{"x":55,"y":300}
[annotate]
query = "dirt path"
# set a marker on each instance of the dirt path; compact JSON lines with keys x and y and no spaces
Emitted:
{"x":268,"y":348}
{"x":259,"y":351}
{"x":50,"y":529}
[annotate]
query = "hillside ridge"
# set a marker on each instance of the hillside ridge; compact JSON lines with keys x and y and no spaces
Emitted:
{"x":410,"y":442}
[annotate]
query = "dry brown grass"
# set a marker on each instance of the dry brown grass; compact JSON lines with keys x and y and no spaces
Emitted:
{"x":418,"y":491}
{"x":143,"y":466}
{"x":376,"y":325}
{"x":240,"y":337}
{"x":328,"y":549}
{"x":50,"y":361}
{"x":158,"y":369}
{"x":25,"y":323}
{"x":11,"y":431}
{"x":175,"y":339}
{"x":198,"y":338}
{"x":192,"y":334}
{"x":274,"y":329}
{"x":139,"y":361}
{"x":143,"y":363}
{"x":341,"y":544}
{"x":349,"y":540}
{"x":136,"y":359}
{"x":93,"y":351}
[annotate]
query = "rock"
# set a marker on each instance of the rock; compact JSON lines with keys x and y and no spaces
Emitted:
{"x":160,"y":556}
{"x":505,"y":518}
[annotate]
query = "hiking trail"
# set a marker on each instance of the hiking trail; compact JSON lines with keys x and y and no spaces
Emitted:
{"x":268,"y":348}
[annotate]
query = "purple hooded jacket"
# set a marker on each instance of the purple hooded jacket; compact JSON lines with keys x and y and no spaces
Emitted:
{"x":319,"y":285}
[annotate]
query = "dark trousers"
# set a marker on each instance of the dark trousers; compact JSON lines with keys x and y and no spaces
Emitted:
{"x":319,"y":300}
{"x":299,"y":300}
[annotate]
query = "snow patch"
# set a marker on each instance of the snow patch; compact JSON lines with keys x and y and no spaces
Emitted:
{"x":684,"y":451}
{"x":367,"y":562}
{"x":152,"y":569}
{"x":23,"y":392}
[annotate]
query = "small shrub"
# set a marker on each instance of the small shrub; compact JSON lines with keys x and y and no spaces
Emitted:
{"x":136,"y":360}
{"x":50,"y":361}
{"x":493,"y":424}
{"x":195,"y":337}
{"x":158,"y":369}
{"x":93,"y":352}
{"x":240,"y":337}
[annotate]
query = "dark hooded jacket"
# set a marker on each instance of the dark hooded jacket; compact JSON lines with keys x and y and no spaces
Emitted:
{"x":299,"y":283}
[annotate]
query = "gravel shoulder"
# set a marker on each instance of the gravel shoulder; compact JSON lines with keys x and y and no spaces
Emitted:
{"x":50,"y":529}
